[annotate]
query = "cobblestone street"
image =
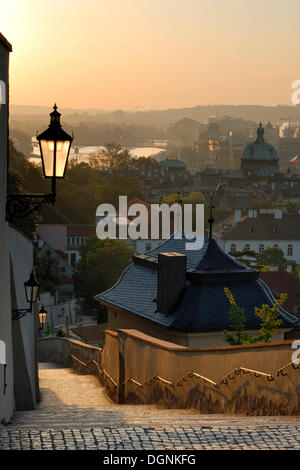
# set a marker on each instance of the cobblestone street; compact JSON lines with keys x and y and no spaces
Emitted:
{"x":75,"y":413}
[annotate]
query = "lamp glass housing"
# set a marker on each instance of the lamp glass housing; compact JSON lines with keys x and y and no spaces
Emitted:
{"x":42,"y":316}
{"x":55,"y":145}
{"x":31,"y":289}
{"x":54,"y":155}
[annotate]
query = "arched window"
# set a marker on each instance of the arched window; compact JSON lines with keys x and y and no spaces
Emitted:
{"x":290,"y":250}
{"x":261,"y":248}
{"x":233,"y":247}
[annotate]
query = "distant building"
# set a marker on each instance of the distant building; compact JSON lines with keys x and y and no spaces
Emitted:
{"x":262,"y":229}
{"x":76,"y":236}
{"x":53,"y":228}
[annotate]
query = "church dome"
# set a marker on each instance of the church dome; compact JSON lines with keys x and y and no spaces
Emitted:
{"x":260,"y":150}
{"x":260,"y":158}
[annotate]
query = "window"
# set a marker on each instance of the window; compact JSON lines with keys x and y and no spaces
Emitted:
{"x":77,"y":241}
{"x":247,"y":247}
{"x":233,"y":247}
{"x":261,"y":248}
{"x":69,"y":240}
{"x":290,"y":250}
{"x":73,"y":241}
{"x":275,"y":246}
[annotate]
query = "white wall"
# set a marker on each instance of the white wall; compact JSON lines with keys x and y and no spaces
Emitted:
{"x":24,"y":330}
{"x":55,"y":235}
{"x":7,"y":399}
{"x":254,"y":246}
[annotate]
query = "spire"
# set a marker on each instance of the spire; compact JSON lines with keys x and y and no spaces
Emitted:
{"x":260,"y":134}
{"x":211,"y":219}
{"x":55,"y":117}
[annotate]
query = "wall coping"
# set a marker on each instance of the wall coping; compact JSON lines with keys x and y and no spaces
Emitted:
{"x":176,"y":347}
{"x":74,"y":341}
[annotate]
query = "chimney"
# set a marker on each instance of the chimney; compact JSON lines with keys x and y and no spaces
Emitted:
{"x":171,"y":280}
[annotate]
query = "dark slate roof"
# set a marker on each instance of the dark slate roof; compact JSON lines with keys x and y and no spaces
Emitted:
{"x":215,"y":259}
{"x":203,"y":305}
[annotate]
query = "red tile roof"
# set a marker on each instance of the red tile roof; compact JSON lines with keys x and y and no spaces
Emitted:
{"x":65,"y":279}
{"x":282,"y":281}
{"x":265,"y":227}
{"x":62,"y":254}
{"x":51,"y":217}
{"x":81,"y":230}
{"x":91,"y":333}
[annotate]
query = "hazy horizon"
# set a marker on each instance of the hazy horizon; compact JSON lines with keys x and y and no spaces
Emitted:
{"x":140,"y":55}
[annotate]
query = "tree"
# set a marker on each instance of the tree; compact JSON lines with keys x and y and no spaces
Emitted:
{"x":271,"y":257}
{"x":100,"y":266}
{"x":262,"y":204}
{"x":46,"y":271}
{"x":243,"y":256}
{"x":237,"y":316}
{"x":269,"y":321}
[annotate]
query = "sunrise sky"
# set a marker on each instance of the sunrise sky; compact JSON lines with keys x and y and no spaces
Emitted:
{"x":141,"y":54}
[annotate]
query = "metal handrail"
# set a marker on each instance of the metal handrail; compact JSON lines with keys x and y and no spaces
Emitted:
{"x":102,"y":371}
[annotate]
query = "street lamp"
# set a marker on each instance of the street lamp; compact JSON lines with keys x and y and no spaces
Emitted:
{"x":42,"y":316}
{"x":31,"y":292}
{"x":55,"y":145}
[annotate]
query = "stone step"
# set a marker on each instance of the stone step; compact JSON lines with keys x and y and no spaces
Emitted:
{"x":133,"y":417}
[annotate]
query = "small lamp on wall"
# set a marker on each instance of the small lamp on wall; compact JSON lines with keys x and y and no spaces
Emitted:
{"x":42,"y":316}
{"x":31,"y":292}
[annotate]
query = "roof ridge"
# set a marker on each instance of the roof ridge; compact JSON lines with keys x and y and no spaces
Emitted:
{"x":211,"y":262}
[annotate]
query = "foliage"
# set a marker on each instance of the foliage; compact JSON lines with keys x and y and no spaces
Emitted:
{"x":61,"y":333}
{"x":269,"y":321}
{"x":237,"y":316}
{"x":67,"y":323}
{"x":49,"y":330}
{"x":85,"y":185}
{"x":272,"y":257}
{"x":196,"y":197}
{"x":262,"y":204}
{"x":269,"y":318}
{"x":116,"y":157}
{"x":243,"y":255}
{"x":102,"y":342}
{"x":46,"y":271}
{"x":101,"y":264}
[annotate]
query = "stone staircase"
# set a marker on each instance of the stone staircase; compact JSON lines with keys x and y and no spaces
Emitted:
{"x":73,"y":401}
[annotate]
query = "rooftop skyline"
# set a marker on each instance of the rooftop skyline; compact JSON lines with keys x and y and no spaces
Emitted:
{"x":142,"y":54}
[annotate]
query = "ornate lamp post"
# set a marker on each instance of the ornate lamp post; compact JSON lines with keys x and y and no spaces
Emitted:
{"x":55,"y":145}
{"x":31,"y":291}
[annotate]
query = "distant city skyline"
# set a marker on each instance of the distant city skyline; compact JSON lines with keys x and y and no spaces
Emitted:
{"x":151,"y":54}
